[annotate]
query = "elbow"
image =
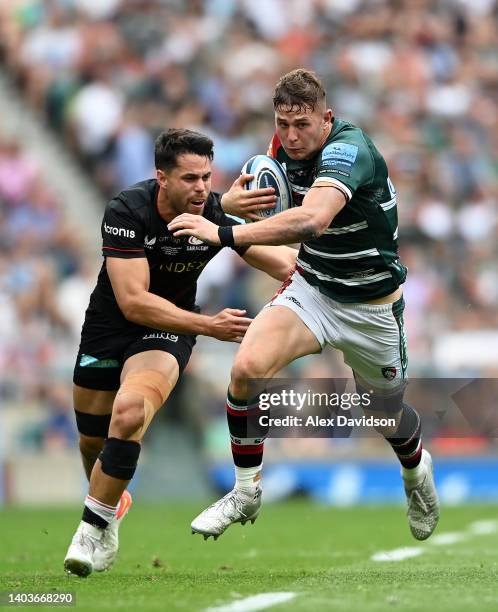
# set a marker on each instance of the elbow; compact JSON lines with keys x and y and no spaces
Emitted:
{"x":313,"y":226}
{"x":130,"y":309}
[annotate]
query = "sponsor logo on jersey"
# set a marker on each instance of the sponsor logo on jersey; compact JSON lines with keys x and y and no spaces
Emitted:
{"x":346,"y":153}
{"x":389,"y":372}
{"x":87,"y":361}
{"x":149,"y":242}
{"x":196,"y":244}
{"x":118,"y":231}
{"x":293,"y":299}
{"x":161,"y":336}
{"x":179,"y":266}
{"x":169,"y":250}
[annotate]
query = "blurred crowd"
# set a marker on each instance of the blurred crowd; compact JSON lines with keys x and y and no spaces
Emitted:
{"x":43,"y":288}
{"x":420,"y":76}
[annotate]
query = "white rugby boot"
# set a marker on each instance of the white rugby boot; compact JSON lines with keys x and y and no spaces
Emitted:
{"x":423,"y":502}
{"x":238,"y":506}
{"x":80,"y":555}
{"x":107,"y":549}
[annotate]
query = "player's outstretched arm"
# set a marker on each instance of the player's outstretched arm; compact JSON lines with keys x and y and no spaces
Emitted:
{"x":243,"y":202}
{"x":320,"y":205}
{"x":277,"y":261}
{"x":130,"y":282}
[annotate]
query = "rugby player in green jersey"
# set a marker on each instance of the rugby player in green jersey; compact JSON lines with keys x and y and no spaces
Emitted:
{"x":345,"y":291}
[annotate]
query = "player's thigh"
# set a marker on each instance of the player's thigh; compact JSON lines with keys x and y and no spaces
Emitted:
{"x":152,"y":360}
{"x":276,"y":337}
{"x":374,"y":345}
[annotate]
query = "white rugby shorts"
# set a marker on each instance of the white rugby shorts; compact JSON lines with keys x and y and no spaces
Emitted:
{"x":371,"y":336}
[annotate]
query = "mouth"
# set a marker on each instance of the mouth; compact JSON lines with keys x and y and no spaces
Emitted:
{"x":198,"y":203}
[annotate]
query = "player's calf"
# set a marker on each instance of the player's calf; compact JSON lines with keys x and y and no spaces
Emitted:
{"x":405,"y":438}
{"x":243,"y":503}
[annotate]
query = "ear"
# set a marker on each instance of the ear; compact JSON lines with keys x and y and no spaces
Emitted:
{"x":327,"y":116}
{"x":161,"y":178}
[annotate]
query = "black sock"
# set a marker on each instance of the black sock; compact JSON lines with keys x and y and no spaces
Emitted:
{"x":408,"y":444}
{"x":93,"y":519}
{"x":246,"y":451}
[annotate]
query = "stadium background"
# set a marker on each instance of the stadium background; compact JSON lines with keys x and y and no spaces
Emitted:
{"x":85,"y":86}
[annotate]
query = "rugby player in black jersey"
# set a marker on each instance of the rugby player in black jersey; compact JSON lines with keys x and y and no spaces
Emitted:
{"x":345,"y":291}
{"x":142,"y":321}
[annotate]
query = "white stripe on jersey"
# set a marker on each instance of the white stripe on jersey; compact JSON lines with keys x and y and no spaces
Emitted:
{"x":355,"y":227}
{"x":361,"y":280}
{"x":395,"y":235}
{"x":341,"y":186}
{"x":354,"y":255}
{"x":388,"y":205}
{"x":299,"y":188}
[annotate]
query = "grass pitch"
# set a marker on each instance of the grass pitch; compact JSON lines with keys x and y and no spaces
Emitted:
{"x":322,"y":554}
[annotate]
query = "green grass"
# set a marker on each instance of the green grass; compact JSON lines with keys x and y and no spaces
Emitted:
{"x":322,"y":554}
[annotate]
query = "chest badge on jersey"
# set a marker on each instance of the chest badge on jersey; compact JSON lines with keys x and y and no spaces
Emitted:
{"x":389,"y":372}
{"x":194,"y":244}
{"x":149,"y":242}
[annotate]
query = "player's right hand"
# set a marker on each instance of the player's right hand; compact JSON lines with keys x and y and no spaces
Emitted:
{"x":243,"y":202}
{"x":230,"y":324}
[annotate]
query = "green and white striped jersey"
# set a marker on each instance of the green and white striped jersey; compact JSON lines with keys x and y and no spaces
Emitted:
{"x":356,"y":259}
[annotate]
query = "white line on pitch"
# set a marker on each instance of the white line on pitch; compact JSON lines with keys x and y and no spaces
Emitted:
{"x":484,"y":527}
{"x":398,"y":554}
{"x":254,"y":603}
{"x":445,"y":539}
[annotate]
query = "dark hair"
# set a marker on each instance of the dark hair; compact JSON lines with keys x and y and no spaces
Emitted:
{"x":172,"y":143}
{"x":298,"y":90}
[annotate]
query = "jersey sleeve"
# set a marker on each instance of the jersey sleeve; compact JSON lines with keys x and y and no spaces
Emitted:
{"x":345,"y":165}
{"x":122,"y":232}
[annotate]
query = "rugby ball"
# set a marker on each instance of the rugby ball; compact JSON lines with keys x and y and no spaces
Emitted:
{"x":268,"y":172}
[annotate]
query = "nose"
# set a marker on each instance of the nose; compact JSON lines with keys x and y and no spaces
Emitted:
{"x":199,"y":186}
{"x":292,"y":134}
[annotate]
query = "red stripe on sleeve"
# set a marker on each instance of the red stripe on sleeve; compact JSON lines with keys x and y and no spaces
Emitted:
{"x":125,"y":250}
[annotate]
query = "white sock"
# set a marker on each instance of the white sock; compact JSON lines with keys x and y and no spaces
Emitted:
{"x":103,"y":510}
{"x":248,"y":479}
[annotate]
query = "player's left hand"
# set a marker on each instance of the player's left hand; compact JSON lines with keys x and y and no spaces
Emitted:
{"x":195,"y":225}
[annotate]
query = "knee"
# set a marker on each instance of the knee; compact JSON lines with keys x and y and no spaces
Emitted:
{"x":128,"y":416}
{"x":246,"y":367}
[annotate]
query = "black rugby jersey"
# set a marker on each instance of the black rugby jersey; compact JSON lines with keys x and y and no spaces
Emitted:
{"x":132,"y":227}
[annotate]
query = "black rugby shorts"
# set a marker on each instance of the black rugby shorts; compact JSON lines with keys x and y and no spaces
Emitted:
{"x":104,"y":348}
